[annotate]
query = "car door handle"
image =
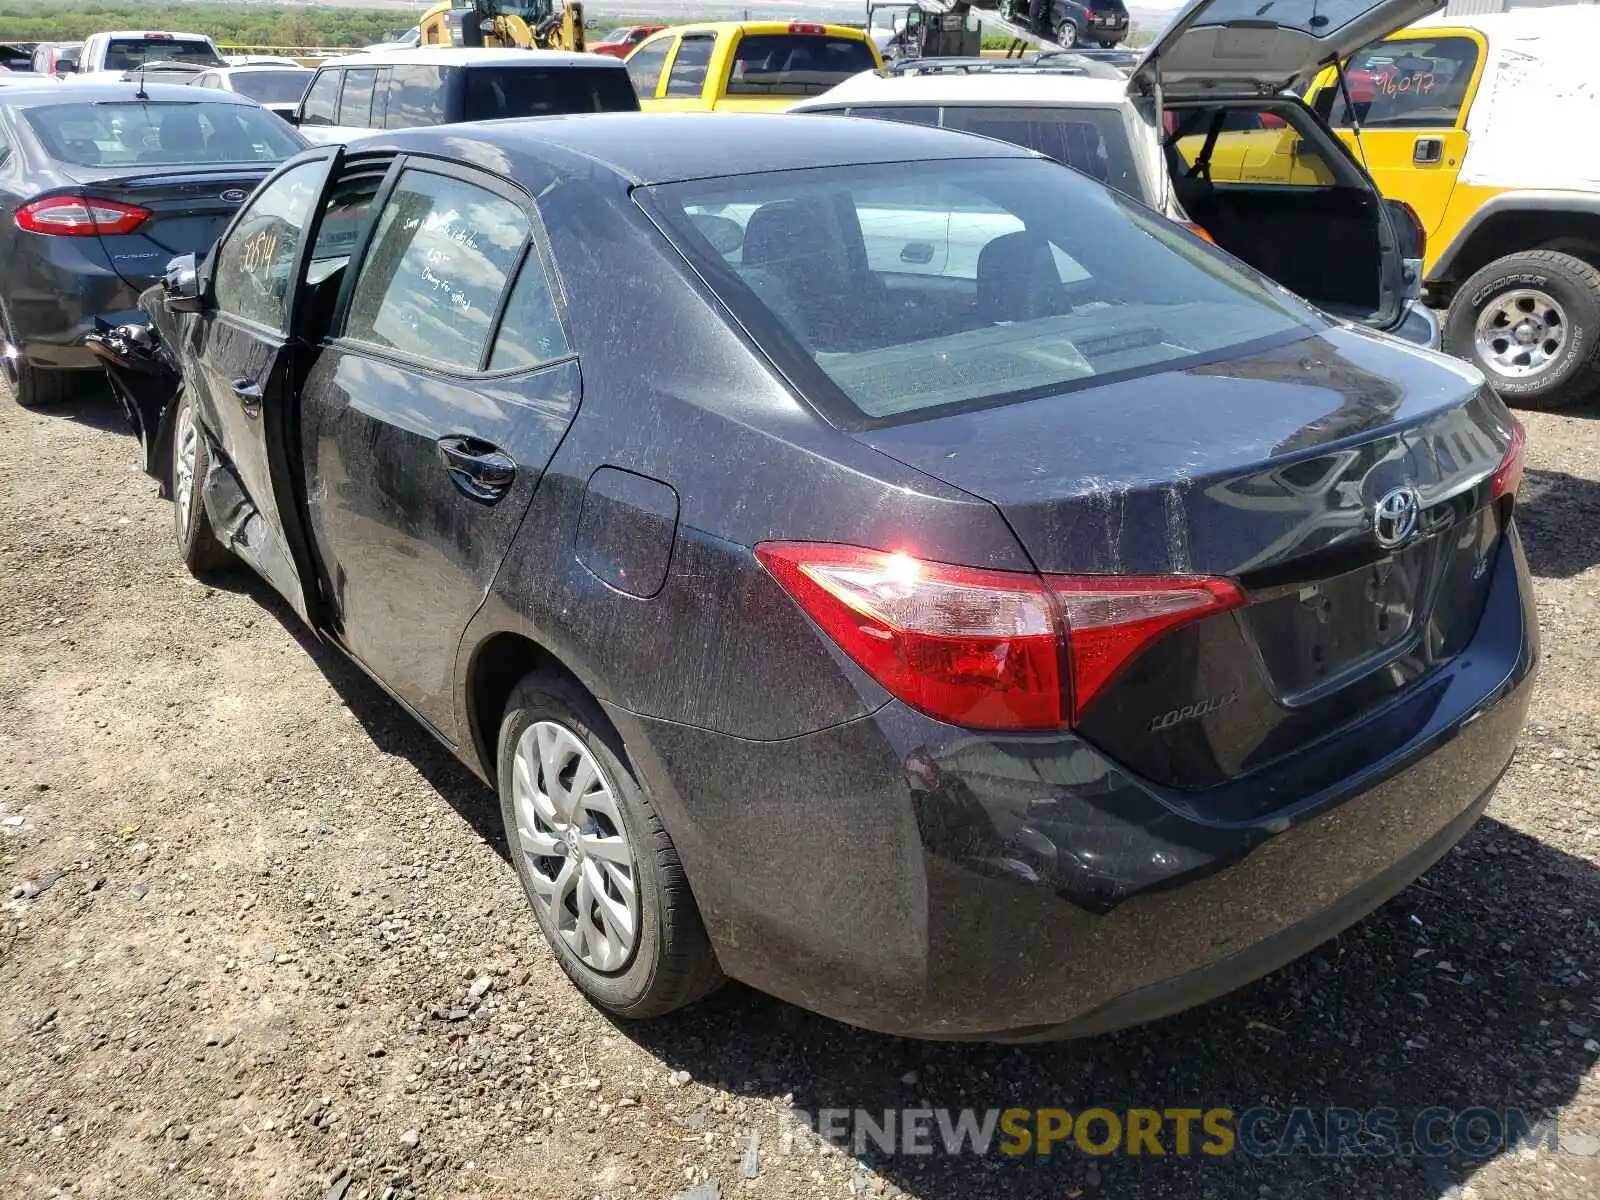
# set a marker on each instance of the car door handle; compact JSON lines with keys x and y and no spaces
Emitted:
{"x":248,"y":393}
{"x":917,"y":252}
{"x":478,"y":470}
{"x":1427,"y":150}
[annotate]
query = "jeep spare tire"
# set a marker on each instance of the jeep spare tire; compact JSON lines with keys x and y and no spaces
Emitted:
{"x":1531,"y":323}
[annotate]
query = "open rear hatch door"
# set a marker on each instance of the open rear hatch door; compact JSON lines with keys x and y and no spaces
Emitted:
{"x":1262,"y":47}
{"x":1347,"y":488}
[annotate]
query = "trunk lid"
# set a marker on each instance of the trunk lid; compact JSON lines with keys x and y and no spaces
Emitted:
{"x":1268,"y":469}
{"x":188,"y":210}
{"x":1249,"y":47}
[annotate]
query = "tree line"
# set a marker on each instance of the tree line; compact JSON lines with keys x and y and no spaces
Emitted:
{"x":237,"y":24}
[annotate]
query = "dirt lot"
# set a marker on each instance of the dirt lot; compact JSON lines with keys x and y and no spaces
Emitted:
{"x":263,"y":940}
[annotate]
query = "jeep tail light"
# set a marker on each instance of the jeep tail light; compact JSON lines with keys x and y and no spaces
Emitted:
{"x":74,"y":216}
{"x":1508,"y":476}
{"x":985,"y":649}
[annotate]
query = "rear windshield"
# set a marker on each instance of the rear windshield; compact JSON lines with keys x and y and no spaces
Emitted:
{"x":160,"y":134}
{"x":533,"y":92}
{"x":795,"y":64}
{"x":907,"y":289}
{"x":272,"y":87}
{"x":125,"y":53}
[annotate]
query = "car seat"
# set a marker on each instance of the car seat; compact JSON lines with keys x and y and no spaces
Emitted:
{"x":1018,"y":279}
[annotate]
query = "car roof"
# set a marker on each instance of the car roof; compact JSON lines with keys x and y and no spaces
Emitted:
{"x":1521,"y":23}
{"x":158,"y":34}
{"x":988,"y":87}
{"x":48,"y":91}
{"x":651,"y":148}
{"x":766,"y":27}
{"x":472,"y":56}
{"x":247,"y":68}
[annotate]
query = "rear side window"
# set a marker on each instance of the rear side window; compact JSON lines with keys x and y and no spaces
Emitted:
{"x":497,"y":92}
{"x":160,"y":134}
{"x":530,"y":332}
{"x":644,"y":66}
{"x":252,"y":278}
{"x":795,"y":64}
{"x":271,"y":87}
{"x":431,"y":283}
{"x":1090,"y":140}
{"x":688,"y":74}
{"x":906,"y":289}
{"x":417,"y":96}
{"x":322,"y":100}
{"x":355,"y":99}
{"x":123,"y":54}
{"x":1413,"y":83}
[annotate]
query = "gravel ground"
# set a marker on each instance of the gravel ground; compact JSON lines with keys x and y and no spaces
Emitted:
{"x":263,"y":939}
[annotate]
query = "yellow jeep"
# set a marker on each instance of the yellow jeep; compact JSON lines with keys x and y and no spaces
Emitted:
{"x":1486,"y":127}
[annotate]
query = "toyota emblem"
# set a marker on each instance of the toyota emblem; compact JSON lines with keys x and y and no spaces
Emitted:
{"x":1394,"y":517}
{"x":233,"y":196}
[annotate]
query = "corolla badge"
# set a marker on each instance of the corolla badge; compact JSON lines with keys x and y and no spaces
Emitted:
{"x":233,"y":196}
{"x":1394,"y":517}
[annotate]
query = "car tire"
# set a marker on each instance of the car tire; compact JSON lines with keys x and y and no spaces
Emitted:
{"x":1067,"y":34}
{"x":30,"y":386}
{"x":198,"y":545}
{"x":1531,"y":323}
{"x":669,"y":962}
{"x":1108,"y":45}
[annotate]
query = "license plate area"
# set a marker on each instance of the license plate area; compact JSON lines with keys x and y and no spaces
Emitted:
{"x":1315,"y":637}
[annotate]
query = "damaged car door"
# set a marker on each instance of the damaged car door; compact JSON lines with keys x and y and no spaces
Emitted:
{"x":242,"y":368}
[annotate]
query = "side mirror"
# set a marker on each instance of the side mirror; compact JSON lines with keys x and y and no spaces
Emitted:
{"x":180,"y":286}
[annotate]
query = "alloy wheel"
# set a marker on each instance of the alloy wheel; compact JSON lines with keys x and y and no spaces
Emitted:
{"x":1521,"y":334}
{"x":1067,"y":35}
{"x":186,"y":452}
{"x":571,"y":833}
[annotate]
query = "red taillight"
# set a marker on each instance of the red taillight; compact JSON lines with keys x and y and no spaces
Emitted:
{"x":1112,"y":618}
{"x":802,"y":28}
{"x":73,"y":216}
{"x":1508,"y":476}
{"x":1418,"y":229}
{"x":979,"y":648}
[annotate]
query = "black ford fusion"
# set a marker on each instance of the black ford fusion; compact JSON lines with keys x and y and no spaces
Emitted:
{"x":100,"y":185}
{"x":871,"y":562}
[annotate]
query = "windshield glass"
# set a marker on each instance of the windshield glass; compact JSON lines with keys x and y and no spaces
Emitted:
{"x":918,"y":286}
{"x":494,"y":92}
{"x":160,"y":133}
{"x":799,"y":64}
{"x":123,"y":54}
{"x":272,"y":87}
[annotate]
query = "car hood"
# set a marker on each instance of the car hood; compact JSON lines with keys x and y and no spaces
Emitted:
{"x":1265,"y":46}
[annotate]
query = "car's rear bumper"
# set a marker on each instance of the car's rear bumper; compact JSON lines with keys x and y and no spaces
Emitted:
{"x":914,"y":878}
{"x":55,"y":289}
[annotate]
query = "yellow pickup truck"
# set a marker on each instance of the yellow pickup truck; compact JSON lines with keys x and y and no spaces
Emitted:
{"x":749,"y":66}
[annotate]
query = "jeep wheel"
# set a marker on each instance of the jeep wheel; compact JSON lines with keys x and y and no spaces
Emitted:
{"x":1531,"y":323}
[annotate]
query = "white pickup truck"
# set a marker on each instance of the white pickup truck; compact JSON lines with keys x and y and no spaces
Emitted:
{"x":111,"y":54}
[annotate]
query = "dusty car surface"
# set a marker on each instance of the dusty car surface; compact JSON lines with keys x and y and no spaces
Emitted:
{"x":1094,"y":624}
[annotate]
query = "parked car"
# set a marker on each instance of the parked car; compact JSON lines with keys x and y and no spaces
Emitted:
{"x":51,"y":59}
{"x":16,"y":56}
{"x":108,"y":55}
{"x":260,"y":60}
{"x":618,"y":42}
{"x":1071,"y":23}
{"x":277,"y":89}
{"x":754,"y":66}
{"x":100,"y":185}
{"x":406,"y":41}
{"x":1485,"y":126}
{"x":352,"y":96}
{"x":1366,"y":268}
{"x":1113,"y":598}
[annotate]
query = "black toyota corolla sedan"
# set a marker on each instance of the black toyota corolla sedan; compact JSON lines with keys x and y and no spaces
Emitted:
{"x":872,"y":562}
{"x":100,"y":185}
